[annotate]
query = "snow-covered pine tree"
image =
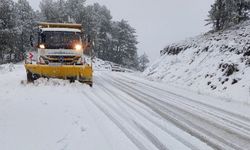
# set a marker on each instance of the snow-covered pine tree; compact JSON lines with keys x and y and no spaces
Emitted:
{"x":60,"y":6}
{"x":242,"y":10}
{"x":75,"y":10}
{"x":124,"y":44}
{"x":114,"y":41}
{"x":97,"y":23}
{"x":7,"y":30}
{"x":103,"y":36}
{"x":143,"y":62}
{"x":49,"y":11}
{"x":218,"y":15}
{"x":225,"y":13}
{"x":25,"y":23}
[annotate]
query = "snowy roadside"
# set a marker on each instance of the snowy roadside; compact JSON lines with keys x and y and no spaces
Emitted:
{"x":213,"y":64}
{"x":174,"y":71}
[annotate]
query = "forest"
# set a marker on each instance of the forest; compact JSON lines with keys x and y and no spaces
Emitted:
{"x":115,"y":41}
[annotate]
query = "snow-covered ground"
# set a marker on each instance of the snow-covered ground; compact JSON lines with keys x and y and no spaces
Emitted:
{"x":121,"y":112}
{"x":216,"y":64}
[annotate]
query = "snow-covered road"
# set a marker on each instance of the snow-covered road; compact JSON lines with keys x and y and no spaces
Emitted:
{"x":121,"y":112}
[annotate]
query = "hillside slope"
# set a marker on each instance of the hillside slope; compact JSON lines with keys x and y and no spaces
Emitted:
{"x":215,"y":63}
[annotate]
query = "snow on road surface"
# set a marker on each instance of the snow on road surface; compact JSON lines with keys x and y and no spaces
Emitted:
{"x":121,"y":112}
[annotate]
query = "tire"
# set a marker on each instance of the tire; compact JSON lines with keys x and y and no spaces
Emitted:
{"x":30,"y":77}
{"x":91,"y":85}
{"x":72,"y":80}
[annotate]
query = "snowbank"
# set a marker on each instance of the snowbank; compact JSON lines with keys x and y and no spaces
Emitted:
{"x":215,"y":63}
{"x":101,"y":65}
{"x":6,"y":68}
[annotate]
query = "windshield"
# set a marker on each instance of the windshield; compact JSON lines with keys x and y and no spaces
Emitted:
{"x":60,"y":39}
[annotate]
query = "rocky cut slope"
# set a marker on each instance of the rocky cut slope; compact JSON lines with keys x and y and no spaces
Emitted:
{"x":215,"y":63}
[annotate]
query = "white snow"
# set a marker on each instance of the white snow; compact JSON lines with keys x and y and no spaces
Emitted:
{"x":199,"y":64}
{"x":61,"y":29}
{"x":53,"y":115}
{"x":122,"y":111}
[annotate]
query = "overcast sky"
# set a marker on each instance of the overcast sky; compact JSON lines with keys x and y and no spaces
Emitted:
{"x":158,"y":22}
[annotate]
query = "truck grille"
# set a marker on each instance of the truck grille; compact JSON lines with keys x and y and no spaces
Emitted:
{"x":67,"y":60}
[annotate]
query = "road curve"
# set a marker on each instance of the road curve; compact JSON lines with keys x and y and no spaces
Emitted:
{"x":199,"y":125}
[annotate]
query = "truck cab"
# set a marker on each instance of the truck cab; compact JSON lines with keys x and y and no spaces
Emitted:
{"x":60,"y":44}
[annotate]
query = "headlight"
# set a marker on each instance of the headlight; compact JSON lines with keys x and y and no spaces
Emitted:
{"x":42,"y":46}
{"x":78,"y":47}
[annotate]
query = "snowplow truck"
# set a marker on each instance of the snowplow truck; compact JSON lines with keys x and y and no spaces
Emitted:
{"x":60,"y":51}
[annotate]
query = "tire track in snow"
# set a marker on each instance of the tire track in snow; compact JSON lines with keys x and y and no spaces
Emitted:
{"x":211,"y":138}
{"x":218,"y":115}
{"x":125,"y":100}
{"x":231,"y":114}
{"x":152,"y":137}
{"x":135,"y":124}
{"x":116,"y":121}
{"x":172,"y":117}
{"x":237,"y":126}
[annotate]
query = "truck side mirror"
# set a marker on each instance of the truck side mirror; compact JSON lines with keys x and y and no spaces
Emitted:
{"x":31,"y":41}
{"x":88,"y":38}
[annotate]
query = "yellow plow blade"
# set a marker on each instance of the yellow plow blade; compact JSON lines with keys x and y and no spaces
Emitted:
{"x":83,"y":73}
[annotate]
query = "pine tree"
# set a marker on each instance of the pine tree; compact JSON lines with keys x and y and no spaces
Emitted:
{"x":103,"y":36}
{"x":63,"y":16}
{"x":49,"y":11}
{"x":7,"y":29}
{"x":25,"y":23}
{"x":242,"y":10}
{"x":225,"y":13}
{"x":143,"y":62}
{"x":75,"y":10}
{"x":124,"y":44}
{"x":218,"y":15}
{"x":97,"y":24}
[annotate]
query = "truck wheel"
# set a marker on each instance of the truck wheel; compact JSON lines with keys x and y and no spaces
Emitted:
{"x":91,"y":84}
{"x":88,"y":83}
{"x":30,"y":77}
{"x":72,"y":80}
